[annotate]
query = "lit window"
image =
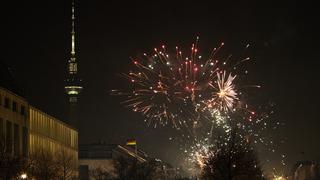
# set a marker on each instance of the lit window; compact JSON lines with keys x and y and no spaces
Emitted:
{"x":72,"y":67}
{"x":73,"y":99}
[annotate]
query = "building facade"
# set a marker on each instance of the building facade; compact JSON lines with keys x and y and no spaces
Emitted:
{"x":26,"y":131}
{"x":50,"y":134}
{"x":14,"y":123}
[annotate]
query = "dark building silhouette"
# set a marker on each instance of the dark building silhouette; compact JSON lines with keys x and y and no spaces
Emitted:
{"x":102,"y":155}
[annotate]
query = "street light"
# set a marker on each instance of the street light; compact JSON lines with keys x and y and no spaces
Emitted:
{"x":23,"y":176}
{"x":279,"y":178}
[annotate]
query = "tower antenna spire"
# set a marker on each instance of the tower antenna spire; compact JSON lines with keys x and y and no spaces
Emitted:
{"x":73,"y":52}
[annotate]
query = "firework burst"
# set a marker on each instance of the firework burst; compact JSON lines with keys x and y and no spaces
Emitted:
{"x":201,"y":94}
{"x":178,"y":89}
{"x":226,"y":94}
{"x":199,"y":153}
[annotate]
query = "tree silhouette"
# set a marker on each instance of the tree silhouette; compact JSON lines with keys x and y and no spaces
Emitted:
{"x":42,"y":165}
{"x":47,"y":166}
{"x":131,"y":169}
{"x":101,"y":174}
{"x":66,"y":166}
{"x":232,"y":158}
{"x":10,"y":165}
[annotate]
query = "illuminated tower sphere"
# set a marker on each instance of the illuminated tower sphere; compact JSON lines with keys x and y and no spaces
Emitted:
{"x":73,"y":82}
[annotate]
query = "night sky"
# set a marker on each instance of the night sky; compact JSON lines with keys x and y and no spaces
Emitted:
{"x":36,"y":43}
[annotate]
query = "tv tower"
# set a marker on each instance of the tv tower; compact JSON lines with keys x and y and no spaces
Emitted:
{"x":73,"y":82}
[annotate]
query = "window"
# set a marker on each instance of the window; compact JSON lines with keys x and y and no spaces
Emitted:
{"x":24,"y":141}
{"x":16,"y":139}
{"x":7,"y":103}
{"x":72,"y":68}
{"x":23,"y":110}
{"x":9,"y":137}
{"x":73,"y":99}
{"x":1,"y":132}
{"x":14,"y":106}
